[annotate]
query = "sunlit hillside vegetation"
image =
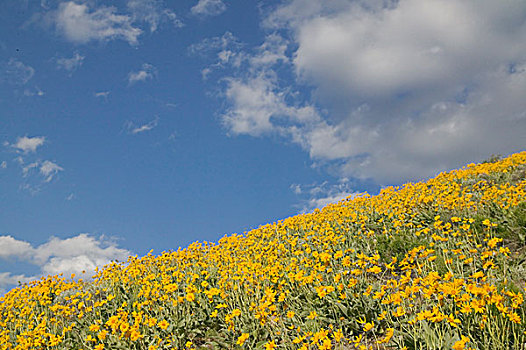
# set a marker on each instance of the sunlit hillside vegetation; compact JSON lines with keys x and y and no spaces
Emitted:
{"x":430,"y":265}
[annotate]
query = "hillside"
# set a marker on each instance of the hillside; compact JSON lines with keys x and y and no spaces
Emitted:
{"x":430,"y":265}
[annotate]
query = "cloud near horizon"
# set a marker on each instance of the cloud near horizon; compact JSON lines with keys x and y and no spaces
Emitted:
{"x":58,"y":256}
{"x":317,"y":196}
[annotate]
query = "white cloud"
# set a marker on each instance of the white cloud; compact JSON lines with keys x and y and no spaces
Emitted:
{"x":408,"y":88}
{"x":18,"y":73}
{"x":227,"y":51}
{"x":102,"y":94}
{"x":11,"y":247}
{"x":223,"y":50}
{"x":420,"y":46}
{"x":80,"y":25}
{"x":35,"y":172}
{"x":271,"y":52}
{"x":29,"y":144}
{"x":34,"y":92}
{"x":146,"y":73}
{"x":49,"y":169}
{"x":71,"y":255}
{"x":8,"y":279}
{"x":133,"y":129}
{"x":259,"y":107}
{"x":29,"y":167}
{"x":214,"y":44}
{"x":70,"y":64}
{"x":208,"y":8}
{"x":152,"y":12}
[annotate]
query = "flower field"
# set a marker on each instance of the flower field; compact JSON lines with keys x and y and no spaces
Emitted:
{"x":429,"y":265}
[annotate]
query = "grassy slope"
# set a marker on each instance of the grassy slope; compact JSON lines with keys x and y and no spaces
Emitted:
{"x":432,"y":265}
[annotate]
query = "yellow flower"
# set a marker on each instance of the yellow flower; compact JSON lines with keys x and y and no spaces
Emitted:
{"x":388,"y":335}
{"x":163,"y":324}
{"x":399,"y":312}
{"x":312,"y":315}
{"x":514,"y":317}
{"x":270,"y":345}
{"x":368,"y":326}
{"x":242,"y":338}
{"x":492,"y":243}
{"x":89,"y":338}
{"x":135,"y":335}
{"x":102,"y":334}
{"x":190,"y":297}
{"x":338,"y":335}
{"x":382,"y":316}
{"x":374,"y":269}
{"x":461,"y":344}
{"x":152,"y":322}
{"x":236,"y":312}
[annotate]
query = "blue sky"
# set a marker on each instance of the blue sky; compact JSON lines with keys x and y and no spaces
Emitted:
{"x":134,"y":125}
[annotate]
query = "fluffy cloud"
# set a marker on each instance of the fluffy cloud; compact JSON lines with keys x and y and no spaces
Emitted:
{"x":29,"y":144}
{"x":259,"y":107}
{"x":80,"y":25}
{"x":11,"y":247}
{"x":146,"y":73}
{"x":400,"y":89}
{"x":70,"y":64}
{"x":208,"y":8}
{"x":71,"y":255}
{"x":152,"y":12}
